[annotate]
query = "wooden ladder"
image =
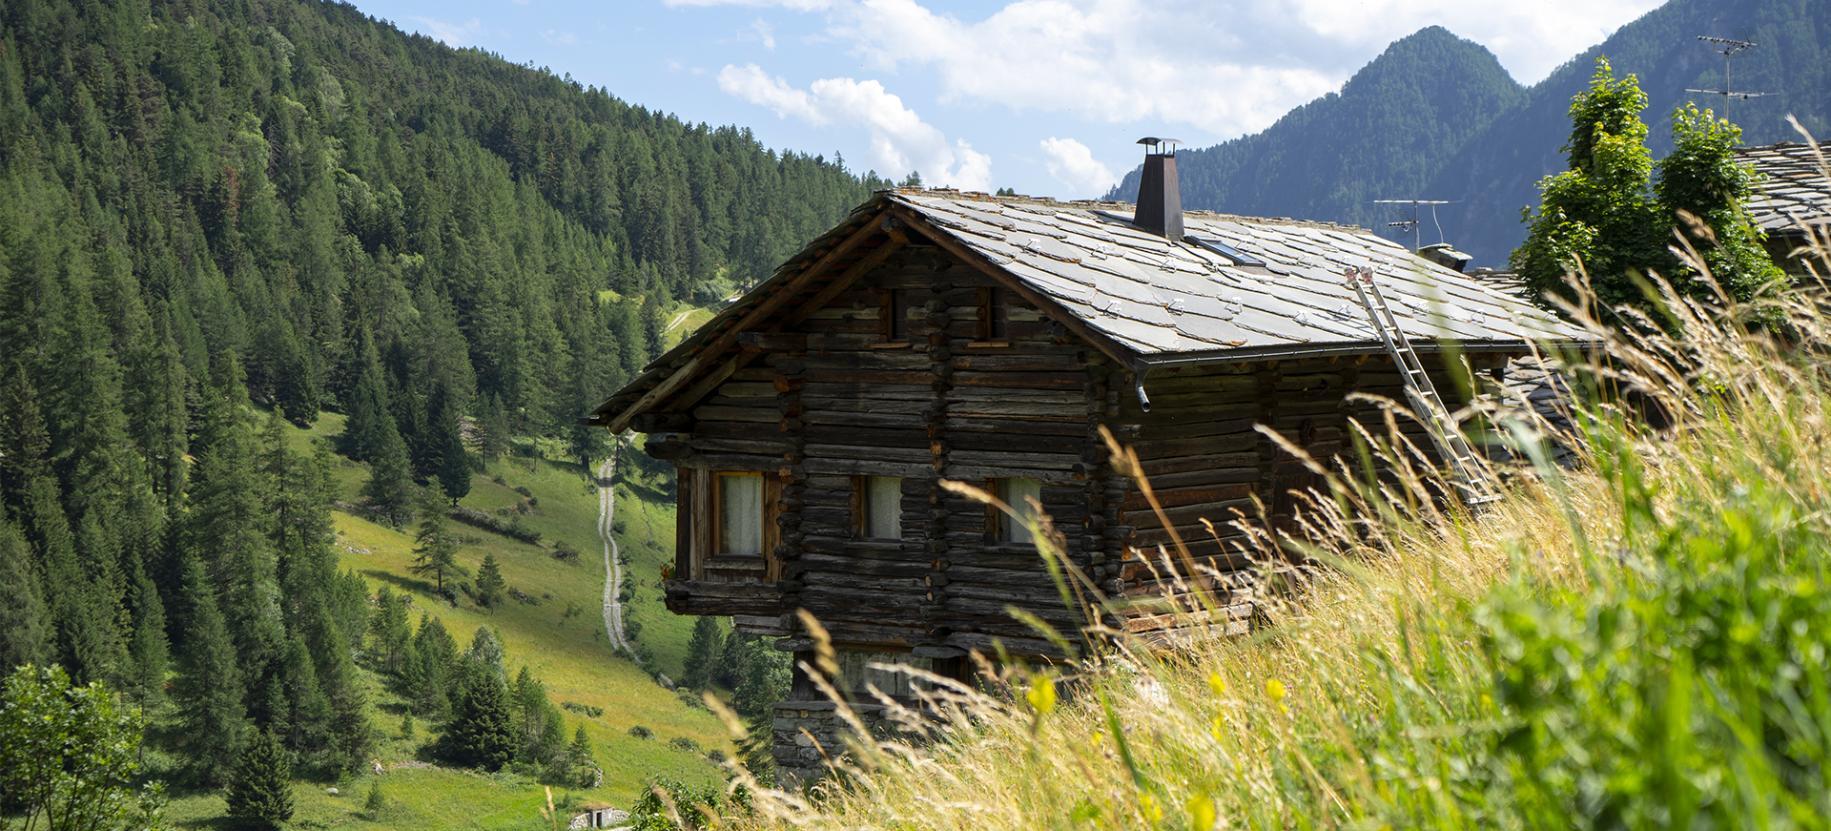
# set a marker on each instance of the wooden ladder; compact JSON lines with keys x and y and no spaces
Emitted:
{"x":1469,"y":476}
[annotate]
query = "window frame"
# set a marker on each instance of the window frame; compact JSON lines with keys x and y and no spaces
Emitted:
{"x":861,"y":508}
{"x":994,"y":317}
{"x":1001,"y":526}
{"x":716,"y":508}
{"x":893,"y":317}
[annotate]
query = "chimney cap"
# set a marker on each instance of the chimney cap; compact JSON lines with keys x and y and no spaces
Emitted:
{"x":1158,"y":143}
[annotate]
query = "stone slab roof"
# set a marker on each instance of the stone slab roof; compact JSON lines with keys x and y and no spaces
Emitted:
{"x":1795,"y":187}
{"x":1235,"y":288}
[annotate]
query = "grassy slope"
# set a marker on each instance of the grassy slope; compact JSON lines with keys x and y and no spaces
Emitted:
{"x":1636,"y":643}
{"x":560,"y":636}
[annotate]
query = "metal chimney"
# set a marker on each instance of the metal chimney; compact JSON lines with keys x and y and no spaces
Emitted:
{"x":1160,"y":196}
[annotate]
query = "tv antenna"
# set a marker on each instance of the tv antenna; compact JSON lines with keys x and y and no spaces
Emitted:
{"x":1728,"y":48}
{"x":1414,"y":224}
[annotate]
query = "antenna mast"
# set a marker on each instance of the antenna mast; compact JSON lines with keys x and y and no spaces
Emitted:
{"x":1727,"y":48}
{"x":1414,"y":225}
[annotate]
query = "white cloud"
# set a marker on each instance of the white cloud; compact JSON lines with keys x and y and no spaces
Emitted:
{"x":1530,"y":39}
{"x":1072,"y":164}
{"x":900,"y":140}
{"x":763,"y":32}
{"x":1221,"y":68}
{"x":451,"y":34}
{"x":559,"y":38}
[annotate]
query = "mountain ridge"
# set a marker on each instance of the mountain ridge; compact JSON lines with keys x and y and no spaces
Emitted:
{"x":1490,"y":173}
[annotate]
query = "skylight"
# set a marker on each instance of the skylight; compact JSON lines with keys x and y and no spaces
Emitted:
{"x":1221,"y":247}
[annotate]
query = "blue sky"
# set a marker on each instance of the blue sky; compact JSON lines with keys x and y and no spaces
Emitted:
{"x":1046,"y":96}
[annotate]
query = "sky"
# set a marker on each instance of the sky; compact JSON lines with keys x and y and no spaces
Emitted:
{"x":1044,"y":96}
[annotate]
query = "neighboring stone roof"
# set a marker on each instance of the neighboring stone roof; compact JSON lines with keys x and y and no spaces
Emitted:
{"x":1237,"y":288}
{"x":1795,"y":187}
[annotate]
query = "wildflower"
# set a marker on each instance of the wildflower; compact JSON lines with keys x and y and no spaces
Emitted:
{"x":1217,"y":684}
{"x":1274,"y":690}
{"x":1217,"y":727}
{"x":1041,"y":695}
{"x":1153,"y":812}
{"x":1202,"y":813}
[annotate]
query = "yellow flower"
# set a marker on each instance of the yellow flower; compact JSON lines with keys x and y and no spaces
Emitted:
{"x":1202,"y":814}
{"x":1147,"y":803}
{"x":1274,"y":689}
{"x":1217,"y":728}
{"x":1041,"y":695}
{"x":1217,"y":684}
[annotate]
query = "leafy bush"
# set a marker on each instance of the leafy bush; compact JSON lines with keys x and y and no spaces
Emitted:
{"x":641,"y":732}
{"x":683,"y":743}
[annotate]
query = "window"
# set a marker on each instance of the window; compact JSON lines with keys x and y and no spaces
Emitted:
{"x":1018,"y":493}
{"x":894,"y":316}
{"x":880,"y":507}
{"x":994,"y":316}
{"x":740,"y":514}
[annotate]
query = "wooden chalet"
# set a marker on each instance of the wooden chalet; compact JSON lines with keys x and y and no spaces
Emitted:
{"x":938,"y":335}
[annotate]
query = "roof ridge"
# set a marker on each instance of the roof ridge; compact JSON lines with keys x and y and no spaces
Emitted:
{"x":1107,"y":204}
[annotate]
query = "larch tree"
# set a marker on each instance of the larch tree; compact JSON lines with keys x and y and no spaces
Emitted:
{"x":435,"y":552}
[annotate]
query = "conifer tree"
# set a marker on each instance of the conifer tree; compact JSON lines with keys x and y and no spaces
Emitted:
{"x":490,"y":585}
{"x":25,"y":622}
{"x":390,"y":487}
{"x":494,"y":430}
{"x":702,"y":653}
{"x":260,"y":787}
{"x":480,"y":733}
{"x":151,"y":653}
{"x":231,"y":527}
{"x":369,"y":417}
{"x":388,"y":630}
{"x":351,"y":740}
{"x":436,"y":657}
{"x":581,"y":764}
{"x":453,"y":459}
{"x":208,"y":690}
{"x":435,"y":553}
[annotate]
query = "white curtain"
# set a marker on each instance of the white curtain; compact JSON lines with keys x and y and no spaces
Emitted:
{"x":884,"y":508}
{"x":740,"y":514}
{"x":1018,"y":493}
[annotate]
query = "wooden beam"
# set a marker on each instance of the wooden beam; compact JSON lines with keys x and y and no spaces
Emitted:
{"x":1004,"y":278}
{"x":771,"y":341}
{"x":704,"y":386}
{"x":764,"y":308}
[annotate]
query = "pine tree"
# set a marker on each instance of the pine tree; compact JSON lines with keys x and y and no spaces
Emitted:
{"x":151,"y":653}
{"x":388,"y":630}
{"x":490,"y":585}
{"x":231,"y":527}
{"x":390,"y":487}
{"x":436,"y":657}
{"x":480,"y":733}
{"x":494,"y":429}
{"x":581,"y":765}
{"x":25,"y":622}
{"x":702,"y":653}
{"x":435,"y":553}
{"x":260,"y":788}
{"x":453,"y":459}
{"x":375,"y":804}
{"x":364,"y":435}
{"x":208,"y":691}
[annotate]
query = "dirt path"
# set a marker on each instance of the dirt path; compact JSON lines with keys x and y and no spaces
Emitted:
{"x":613,"y":569}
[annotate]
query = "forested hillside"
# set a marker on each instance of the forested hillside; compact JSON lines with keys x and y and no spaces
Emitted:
{"x":1382,"y":137}
{"x":213,"y":210}
{"x":1436,"y":117}
{"x":1497,"y":174}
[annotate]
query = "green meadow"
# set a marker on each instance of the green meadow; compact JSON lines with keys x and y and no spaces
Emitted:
{"x":553,"y":624}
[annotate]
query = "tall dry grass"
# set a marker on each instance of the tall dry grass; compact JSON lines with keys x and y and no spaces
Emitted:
{"x":1639,"y":640}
